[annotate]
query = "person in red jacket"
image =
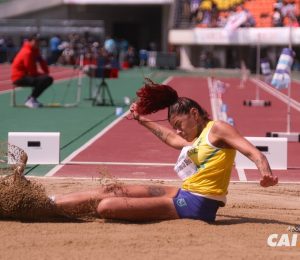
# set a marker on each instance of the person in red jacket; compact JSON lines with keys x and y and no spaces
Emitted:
{"x":25,"y":71}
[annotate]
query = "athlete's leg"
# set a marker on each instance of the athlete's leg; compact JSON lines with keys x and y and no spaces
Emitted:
{"x":87,"y":201}
{"x":137,"y":209}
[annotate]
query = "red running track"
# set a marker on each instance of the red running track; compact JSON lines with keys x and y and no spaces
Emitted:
{"x":257,"y":121}
{"x":128,"y":150}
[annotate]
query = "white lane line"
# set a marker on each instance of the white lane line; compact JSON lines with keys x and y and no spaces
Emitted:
{"x":241,"y":173}
{"x":80,"y":149}
{"x":92,"y":140}
{"x":120,"y":163}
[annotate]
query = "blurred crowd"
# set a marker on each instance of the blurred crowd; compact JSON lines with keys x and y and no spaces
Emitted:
{"x":285,"y":13}
{"x":214,"y":13}
{"x":218,"y":13}
{"x":75,"y":48}
{"x":8,"y":49}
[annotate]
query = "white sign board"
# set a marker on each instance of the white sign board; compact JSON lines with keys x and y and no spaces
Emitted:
{"x":41,"y":147}
{"x":275,"y":149}
{"x":241,"y":36}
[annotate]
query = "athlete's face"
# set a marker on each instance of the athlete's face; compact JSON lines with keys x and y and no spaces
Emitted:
{"x":186,"y":125}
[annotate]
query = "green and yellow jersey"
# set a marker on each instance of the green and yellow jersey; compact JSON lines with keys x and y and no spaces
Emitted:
{"x":213,"y":168}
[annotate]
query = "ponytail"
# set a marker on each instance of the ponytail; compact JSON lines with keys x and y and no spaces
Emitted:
{"x":154,"y":97}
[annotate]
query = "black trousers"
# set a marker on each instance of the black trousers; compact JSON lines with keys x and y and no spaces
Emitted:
{"x":39,"y":84}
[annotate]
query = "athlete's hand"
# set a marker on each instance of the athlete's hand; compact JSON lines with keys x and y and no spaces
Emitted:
{"x":133,"y":110}
{"x":268,"y":180}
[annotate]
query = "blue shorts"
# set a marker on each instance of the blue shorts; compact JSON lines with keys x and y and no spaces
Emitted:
{"x":189,"y":205}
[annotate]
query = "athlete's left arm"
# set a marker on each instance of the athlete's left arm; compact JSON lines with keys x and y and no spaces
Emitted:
{"x":226,"y":136}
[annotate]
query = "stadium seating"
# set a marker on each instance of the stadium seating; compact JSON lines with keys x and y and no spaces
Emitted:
{"x":262,"y":11}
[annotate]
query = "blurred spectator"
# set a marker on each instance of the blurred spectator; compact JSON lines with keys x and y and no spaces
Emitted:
{"x":110,"y":46}
{"x":123,"y":48}
{"x":216,"y":13}
{"x":44,"y":48}
{"x":289,"y":12}
{"x":25,"y":71}
{"x":143,"y":57}
{"x":194,"y":8}
{"x":106,"y":66}
{"x":152,"y":46}
{"x":130,"y":57}
{"x":68,"y":54}
{"x":250,"y":21}
{"x":55,"y":51}
{"x":91,"y":66}
{"x":205,"y":14}
{"x":277,"y":18}
{"x":186,"y":12}
{"x":11,"y":49}
{"x":288,"y":9}
{"x":3,"y":56}
{"x":236,"y":19}
{"x":222,"y":19}
{"x":94,"y":49}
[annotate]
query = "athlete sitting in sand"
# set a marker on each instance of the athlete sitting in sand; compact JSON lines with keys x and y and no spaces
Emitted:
{"x":207,"y":154}
{"x":205,"y":163}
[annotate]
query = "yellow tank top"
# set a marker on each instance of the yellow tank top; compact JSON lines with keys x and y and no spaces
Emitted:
{"x":213,"y":167}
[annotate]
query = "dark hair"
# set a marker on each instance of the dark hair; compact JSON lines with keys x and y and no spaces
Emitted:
{"x":154,"y":97}
{"x":183,"y":106}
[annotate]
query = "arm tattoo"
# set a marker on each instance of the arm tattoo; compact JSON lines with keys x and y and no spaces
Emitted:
{"x":155,"y":191}
{"x":263,"y":167}
{"x":157,"y":132}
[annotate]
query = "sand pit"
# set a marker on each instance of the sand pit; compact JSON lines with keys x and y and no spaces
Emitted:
{"x":240,"y":232}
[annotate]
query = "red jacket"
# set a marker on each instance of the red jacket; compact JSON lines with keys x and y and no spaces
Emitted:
{"x":25,"y":63}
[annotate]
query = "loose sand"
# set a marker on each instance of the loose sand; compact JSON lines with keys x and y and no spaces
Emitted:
{"x":240,"y":231}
